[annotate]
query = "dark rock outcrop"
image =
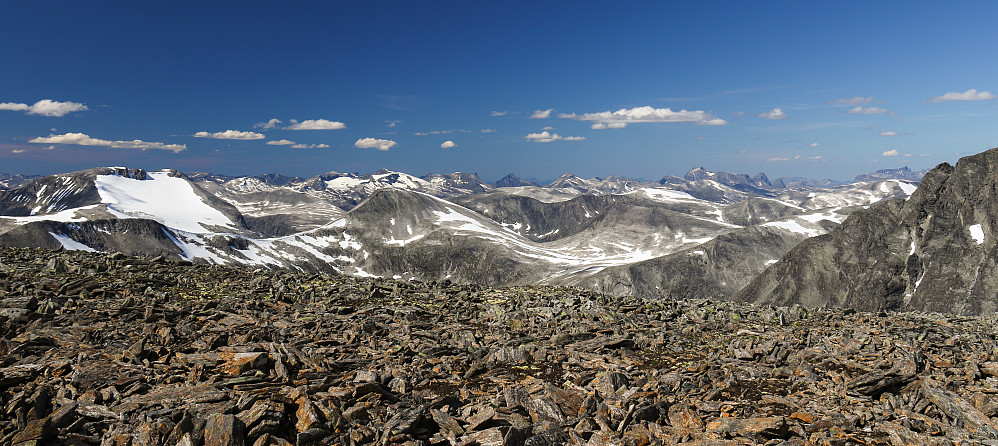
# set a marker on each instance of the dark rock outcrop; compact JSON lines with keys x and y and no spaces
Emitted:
{"x":934,"y":252}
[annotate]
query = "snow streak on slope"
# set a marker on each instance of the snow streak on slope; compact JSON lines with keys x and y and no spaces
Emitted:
{"x":66,"y":216}
{"x":71,"y":244}
{"x":168,"y":200}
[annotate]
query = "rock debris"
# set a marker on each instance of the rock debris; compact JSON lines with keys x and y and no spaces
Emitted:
{"x":111,"y":350}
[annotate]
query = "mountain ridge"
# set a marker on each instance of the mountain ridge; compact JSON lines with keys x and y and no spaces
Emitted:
{"x":456,"y":227}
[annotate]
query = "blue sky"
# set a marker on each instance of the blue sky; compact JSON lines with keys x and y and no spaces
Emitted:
{"x":639,"y":89}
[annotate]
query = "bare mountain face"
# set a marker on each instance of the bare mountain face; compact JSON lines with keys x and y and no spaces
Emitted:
{"x":704,"y":235}
{"x":935,"y":251}
{"x":903,"y":173}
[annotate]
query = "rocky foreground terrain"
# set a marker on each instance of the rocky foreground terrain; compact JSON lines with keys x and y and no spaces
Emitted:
{"x":99,"y":349}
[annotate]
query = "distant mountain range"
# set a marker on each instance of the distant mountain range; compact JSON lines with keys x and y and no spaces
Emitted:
{"x":707,"y":234}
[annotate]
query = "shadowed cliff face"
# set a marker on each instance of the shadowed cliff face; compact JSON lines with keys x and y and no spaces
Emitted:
{"x":934,"y":252}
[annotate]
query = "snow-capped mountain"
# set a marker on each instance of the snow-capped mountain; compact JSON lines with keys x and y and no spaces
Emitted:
{"x":574,"y":231}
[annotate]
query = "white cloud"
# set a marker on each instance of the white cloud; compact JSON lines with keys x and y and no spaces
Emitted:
{"x":813,"y":145}
{"x":268,"y":125}
{"x":393,"y":123}
{"x":778,"y":159}
{"x":647,"y":114}
{"x":81,"y":139}
{"x":448,"y":145}
{"x":498,"y":113}
{"x":888,"y":133}
{"x":14,"y":106}
{"x":18,"y":151}
{"x":545,"y":136}
{"x":316,"y":124}
{"x":859,"y":110}
{"x":969,"y":95}
{"x":548,"y":128}
{"x":421,"y":134}
{"x":489,"y":130}
{"x":892,"y":152}
{"x":775,"y":113}
{"x":45,"y":107}
{"x":230,"y":134}
{"x":371,"y":143}
{"x":281,"y":142}
{"x":858,"y":100}
{"x":310,"y":146}
{"x":611,"y":125}
{"x":542,"y":114}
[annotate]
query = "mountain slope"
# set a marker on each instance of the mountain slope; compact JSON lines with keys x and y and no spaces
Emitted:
{"x":934,"y":252}
{"x":714,"y":270}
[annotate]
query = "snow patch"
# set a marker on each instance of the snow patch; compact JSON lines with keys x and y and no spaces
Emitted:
{"x":71,"y":244}
{"x":403,"y":242}
{"x":794,"y":226}
{"x":907,"y":188}
{"x":977,"y":232}
{"x":667,"y":195}
{"x":66,"y":216}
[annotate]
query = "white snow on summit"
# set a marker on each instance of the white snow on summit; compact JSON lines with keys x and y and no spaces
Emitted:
{"x":168,"y":200}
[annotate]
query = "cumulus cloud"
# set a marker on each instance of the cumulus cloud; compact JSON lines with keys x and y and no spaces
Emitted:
{"x":268,"y":125}
{"x":888,"y":133}
{"x":775,"y":113}
{"x":858,"y":100}
{"x":310,"y":146}
{"x":498,"y":113}
{"x":542,"y":114}
{"x":860,"y":110}
{"x":892,"y":152}
{"x":14,"y":106}
{"x":230,"y":134}
{"x":546,"y":136}
{"x":646,"y":114}
{"x":45,"y":107}
{"x":371,"y":143}
{"x":18,"y":151}
{"x":611,"y":125}
{"x":969,"y":95}
{"x":281,"y":142}
{"x":448,"y":145}
{"x":81,"y":139}
{"x":316,"y":124}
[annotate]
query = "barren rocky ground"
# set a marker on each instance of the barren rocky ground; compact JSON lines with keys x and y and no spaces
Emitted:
{"x":100,"y":349}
